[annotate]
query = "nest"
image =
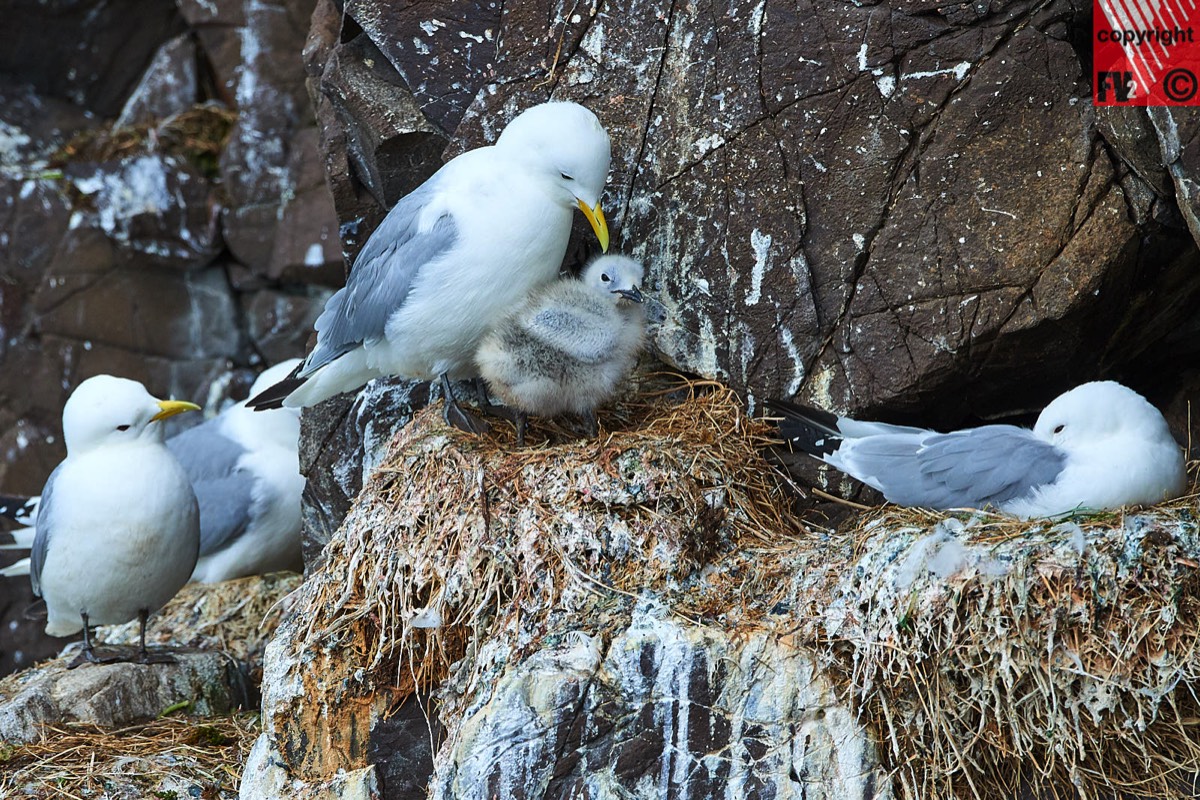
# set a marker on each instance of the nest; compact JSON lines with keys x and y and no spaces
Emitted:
{"x":198,"y":135}
{"x":999,"y":658}
{"x":459,"y":539}
{"x":992,"y":658}
{"x":237,"y":617}
{"x":171,"y":757}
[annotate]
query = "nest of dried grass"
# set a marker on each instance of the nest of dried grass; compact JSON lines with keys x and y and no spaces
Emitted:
{"x":171,"y":757}
{"x":457,"y":539}
{"x":198,"y":134}
{"x":999,"y":658}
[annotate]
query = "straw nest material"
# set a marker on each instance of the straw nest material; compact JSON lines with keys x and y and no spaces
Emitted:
{"x":198,"y":135}
{"x":998,"y":658}
{"x":237,"y":617}
{"x":457,"y":539}
{"x":171,"y":757}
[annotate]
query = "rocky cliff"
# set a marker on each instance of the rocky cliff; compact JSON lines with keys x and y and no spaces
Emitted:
{"x":907,"y":210}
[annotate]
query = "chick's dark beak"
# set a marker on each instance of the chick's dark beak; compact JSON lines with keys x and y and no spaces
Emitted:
{"x":634,"y":294}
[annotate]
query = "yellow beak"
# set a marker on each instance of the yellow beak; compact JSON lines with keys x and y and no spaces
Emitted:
{"x":172,"y":407}
{"x":596,"y":217}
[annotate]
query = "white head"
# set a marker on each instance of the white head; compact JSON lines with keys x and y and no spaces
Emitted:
{"x":620,"y":275}
{"x":278,"y":425}
{"x":273,"y":375}
{"x":567,"y":145}
{"x":108,"y":410}
{"x":1098,"y":410}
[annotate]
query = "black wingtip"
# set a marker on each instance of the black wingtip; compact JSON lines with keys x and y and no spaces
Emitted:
{"x":809,"y":430}
{"x":15,"y":507}
{"x":273,"y":396}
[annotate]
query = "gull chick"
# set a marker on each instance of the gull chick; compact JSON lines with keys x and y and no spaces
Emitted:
{"x":118,"y":529}
{"x":455,"y":256}
{"x":1097,"y":447}
{"x":570,"y":345}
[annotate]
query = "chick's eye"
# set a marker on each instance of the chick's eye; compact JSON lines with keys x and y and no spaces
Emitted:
{"x":565,"y":176}
{"x":122,"y":427}
{"x":604,"y":277}
{"x":1059,"y":429}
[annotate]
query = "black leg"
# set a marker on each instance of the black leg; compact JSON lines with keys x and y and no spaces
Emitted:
{"x":144,"y":655}
{"x":522,"y":421}
{"x":88,"y":654}
{"x":481,"y":394}
{"x":589,"y":420}
{"x":455,"y":416}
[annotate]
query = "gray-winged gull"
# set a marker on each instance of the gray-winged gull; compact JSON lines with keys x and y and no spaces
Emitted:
{"x":568,"y":347}
{"x":455,"y":255}
{"x":245,"y":470}
{"x":1099,"y":446}
{"x":118,"y":529}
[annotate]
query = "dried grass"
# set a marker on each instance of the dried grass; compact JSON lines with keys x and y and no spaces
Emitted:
{"x":1000,"y":658}
{"x":171,"y":757}
{"x":198,"y":135}
{"x":458,"y":539}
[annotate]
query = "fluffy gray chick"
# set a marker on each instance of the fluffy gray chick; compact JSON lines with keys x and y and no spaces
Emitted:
{"x":568,"y":348}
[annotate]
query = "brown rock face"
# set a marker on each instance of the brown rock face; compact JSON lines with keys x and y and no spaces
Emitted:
{"x":873,"y":207}
{"x":183,"y":244}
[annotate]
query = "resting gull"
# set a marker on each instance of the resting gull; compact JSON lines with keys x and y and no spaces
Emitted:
{"x":570,"y":345}
{"x":1097,"y":447}
{"x":244,"y":468}
{"x":454,"y":256}
{"x":245,"y":471}
{"x":118,"y":528}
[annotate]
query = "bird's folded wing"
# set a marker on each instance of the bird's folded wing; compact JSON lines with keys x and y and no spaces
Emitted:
{"x":972,"y":468}
{"x":45,"y":526}
{"x":224,"y":491}
{"x":583,"y":336}
{"x":382,"y":276}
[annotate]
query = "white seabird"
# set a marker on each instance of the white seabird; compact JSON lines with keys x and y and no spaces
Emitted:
{"x":454,"y":256}
{"x":245,"y":470}
{"x":569,"y":346}
{"x":1097,"y":447}
{"x":118,"y":529}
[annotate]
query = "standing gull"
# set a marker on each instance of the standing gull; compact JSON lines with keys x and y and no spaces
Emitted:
{"x":461,"y":251}
{"x":245,"y":471}
{"x":570,"y":345}
{"x":1097,"y":447}
{"x":118,"y":528}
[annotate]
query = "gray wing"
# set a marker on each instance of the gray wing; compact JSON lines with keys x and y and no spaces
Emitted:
{"x":41,"y":537}
{"x":381,"y":277}
{"x":224,"y":491}
{"x":585,"y":337}
{"x":973,"y":468}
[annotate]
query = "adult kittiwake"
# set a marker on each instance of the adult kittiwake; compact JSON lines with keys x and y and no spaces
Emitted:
{"x":569,"y":346}
{"x":454,"y":256}
{"x":118,"y":528}
{"x":1097,"y":447}
{"x":245,"y":470}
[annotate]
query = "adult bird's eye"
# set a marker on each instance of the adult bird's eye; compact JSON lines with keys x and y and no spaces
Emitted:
{"x":122,"y":427}
{"x":1059,"y":429}
{"x":604,"y":277}
{"x":565,"y":176}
